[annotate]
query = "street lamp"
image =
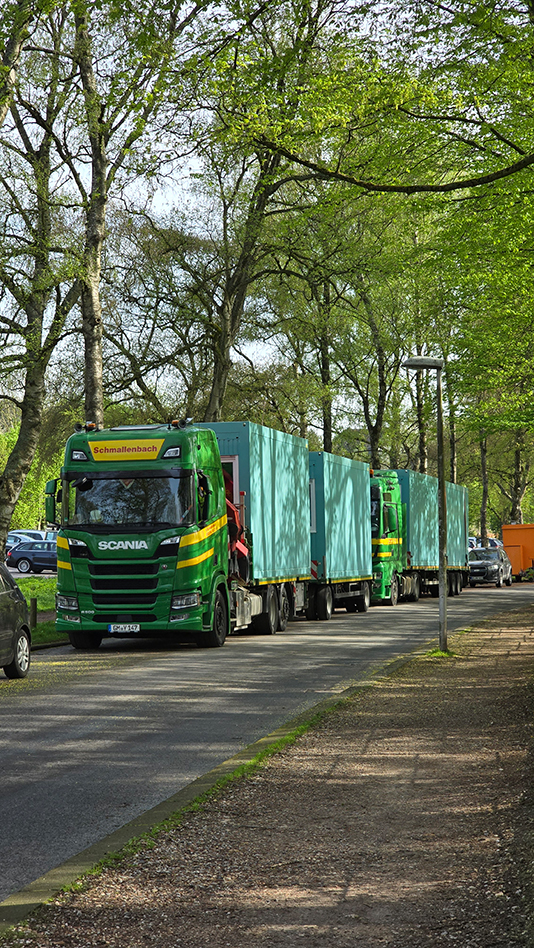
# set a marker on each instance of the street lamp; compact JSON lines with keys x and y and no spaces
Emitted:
{"x":420,"y":363}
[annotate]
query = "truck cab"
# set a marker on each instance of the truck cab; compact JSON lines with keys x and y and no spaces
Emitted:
{"x":143,"y":540}
{"x":388,"y":537}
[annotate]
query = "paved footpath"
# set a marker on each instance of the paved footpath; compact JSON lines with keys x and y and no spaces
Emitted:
{"x":402,"y":819}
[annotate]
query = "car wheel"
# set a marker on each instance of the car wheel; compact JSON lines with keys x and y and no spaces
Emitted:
{"x":499,"y":581}
{"x":24,"y":566}
{"x":20,"y":665}
{"x":472,"y":584}
{"x":509,"y":580}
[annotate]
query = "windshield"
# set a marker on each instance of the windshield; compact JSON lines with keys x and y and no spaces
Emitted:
{"x":375,"y":511}
{"x":484,"y":555}
{"x":132,"y":501}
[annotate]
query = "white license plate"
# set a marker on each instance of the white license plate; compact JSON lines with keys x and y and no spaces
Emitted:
{"x":121,"y":627}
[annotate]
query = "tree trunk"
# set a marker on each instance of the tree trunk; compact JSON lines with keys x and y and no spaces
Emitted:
{"x":23,"y":453}
{"x":485,"y":490}
{"x":95,"y":227}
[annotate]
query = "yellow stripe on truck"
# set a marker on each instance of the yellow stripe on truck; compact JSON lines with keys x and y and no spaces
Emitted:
{"x":190,"y":538}
{"x":61,"y":565}
{"x":195,"y":559}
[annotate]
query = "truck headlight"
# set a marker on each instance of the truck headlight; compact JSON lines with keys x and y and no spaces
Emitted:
{"x":186,"y":601}
{"x":66,"y":602}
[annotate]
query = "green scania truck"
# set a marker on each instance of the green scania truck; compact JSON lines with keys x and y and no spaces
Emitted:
{"x":198,"y":530}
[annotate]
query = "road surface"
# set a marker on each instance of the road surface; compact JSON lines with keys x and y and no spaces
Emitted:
{"x":90,"y":740}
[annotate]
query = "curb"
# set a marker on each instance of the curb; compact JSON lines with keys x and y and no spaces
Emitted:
{"x":19,"y":905}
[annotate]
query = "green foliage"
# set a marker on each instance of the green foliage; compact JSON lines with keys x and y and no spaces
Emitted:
{"x":42,"y":588}
{"x":29,"y":510}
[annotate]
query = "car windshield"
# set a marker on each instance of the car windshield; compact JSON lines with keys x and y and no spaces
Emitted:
{"x":132,"y":501}
{"x":484,"y":555}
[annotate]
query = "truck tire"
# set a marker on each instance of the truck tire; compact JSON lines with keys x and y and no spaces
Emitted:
{"x":416,"y":589}
{"x":84,"y":640}
{"x":393,"y":597}
{"x":311,"y":609}
{"x":325,"y":603}
{"x":363,"y":602}
{"x":284,"y":609}
{"x":216,"y":637}
{"x":267,"y":622}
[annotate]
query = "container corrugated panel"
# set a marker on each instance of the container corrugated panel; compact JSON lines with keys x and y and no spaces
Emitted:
{"x":341,"y":538}
{"x":457,"y":525}
{"x":420,"y":494}
{"x":273,"y":471}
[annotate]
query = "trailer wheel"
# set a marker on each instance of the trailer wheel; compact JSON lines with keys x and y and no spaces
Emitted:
{"x":216,"y":637}
{"x":325,"y":603}
{"x":84,"y":640}
{"x":393,"y":597}
{"x":267,"y":622}
{"x":284,"y":609}
{"x":363,"y":602}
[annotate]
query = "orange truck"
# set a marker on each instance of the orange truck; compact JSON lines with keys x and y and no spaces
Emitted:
{"x":518,"y":541}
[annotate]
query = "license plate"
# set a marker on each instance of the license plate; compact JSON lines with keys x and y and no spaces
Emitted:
{"x":122,"y":627}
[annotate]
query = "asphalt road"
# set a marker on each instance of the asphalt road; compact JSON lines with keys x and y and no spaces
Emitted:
{"x":90,"y":740}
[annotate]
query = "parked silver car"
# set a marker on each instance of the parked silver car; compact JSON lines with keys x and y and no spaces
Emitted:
{"x":489,"y":565}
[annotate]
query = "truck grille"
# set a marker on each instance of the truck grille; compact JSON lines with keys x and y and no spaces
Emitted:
{"x":123,"y":569}
{"x":125,"y":599}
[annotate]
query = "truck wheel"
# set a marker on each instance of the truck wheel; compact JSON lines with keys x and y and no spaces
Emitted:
{"x":267,"y":622}
{"x":325,"y":603}
{"x":20,"y":665}
{"x":311,"y":609}
{"x":84,"y":640}
{"x":416,"y":590}
{"x":393,"y":597}
{"x":283,"y":610}
{"x":219,"y":628}
{"x":363,"y":602}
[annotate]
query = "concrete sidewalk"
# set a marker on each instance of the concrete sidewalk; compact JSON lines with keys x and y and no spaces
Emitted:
{"x":403,"y":819}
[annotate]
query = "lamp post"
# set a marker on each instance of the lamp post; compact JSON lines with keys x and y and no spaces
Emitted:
{"x":420,"y":363}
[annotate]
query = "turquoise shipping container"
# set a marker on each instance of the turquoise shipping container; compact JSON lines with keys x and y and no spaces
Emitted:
{"x":340,"y":518}
{"x":457,"y":525}
{"x":267,"y":471}
{"x":420,"y":494}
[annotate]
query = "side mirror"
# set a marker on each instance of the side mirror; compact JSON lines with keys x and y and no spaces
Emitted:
{"x":50,"y":502}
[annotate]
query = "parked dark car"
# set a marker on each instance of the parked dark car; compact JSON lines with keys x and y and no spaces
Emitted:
{"x":15,"y":636}
{"x":489,"y":565}
{"x":33,"y":556}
